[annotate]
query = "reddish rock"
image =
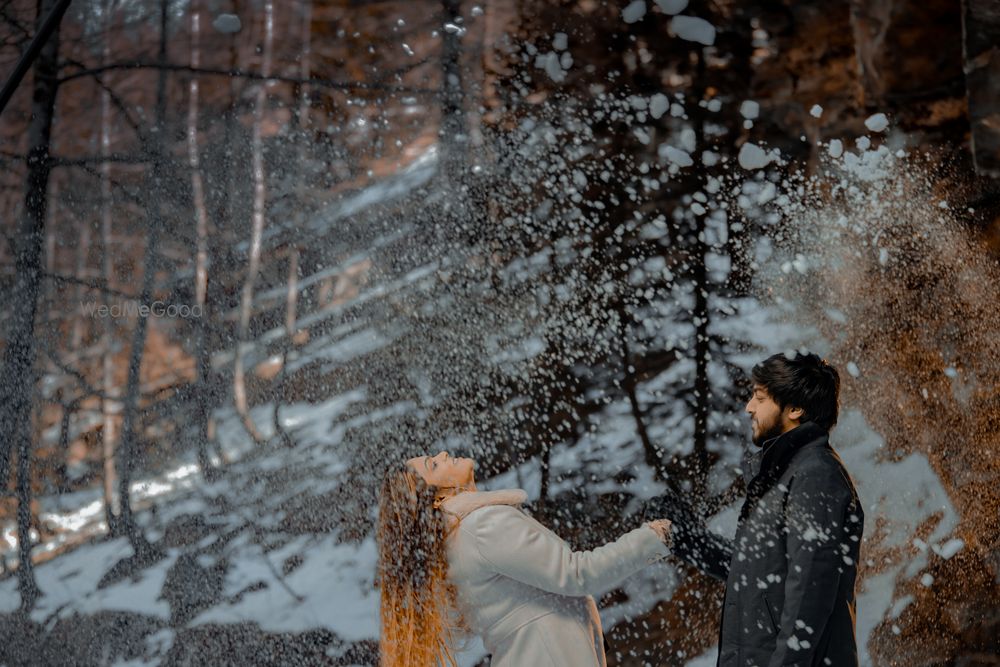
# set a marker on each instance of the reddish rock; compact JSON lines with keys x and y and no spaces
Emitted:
{"x":982,"y":79}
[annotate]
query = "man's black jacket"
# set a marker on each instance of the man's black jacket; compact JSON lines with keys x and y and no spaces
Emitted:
{"x":790,"y":571}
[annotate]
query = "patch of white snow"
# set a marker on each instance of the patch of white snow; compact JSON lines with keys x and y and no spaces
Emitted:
{"x":634,"y":11}
{"x":693,"y":29}
{"x":877,"y":122}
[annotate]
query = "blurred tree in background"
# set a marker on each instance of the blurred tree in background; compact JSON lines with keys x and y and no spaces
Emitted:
{"x":507,"y":226}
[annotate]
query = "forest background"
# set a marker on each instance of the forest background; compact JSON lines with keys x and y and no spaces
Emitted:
{"x":553,"y":235}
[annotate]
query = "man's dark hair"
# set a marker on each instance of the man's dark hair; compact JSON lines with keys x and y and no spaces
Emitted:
{"x":804,"y":381}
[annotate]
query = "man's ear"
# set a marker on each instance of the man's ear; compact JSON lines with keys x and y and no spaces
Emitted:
{"x":795,"y":414}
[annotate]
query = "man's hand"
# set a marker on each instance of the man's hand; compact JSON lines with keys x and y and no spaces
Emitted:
{"x":690,"y":539}
{"x":674,"y":508}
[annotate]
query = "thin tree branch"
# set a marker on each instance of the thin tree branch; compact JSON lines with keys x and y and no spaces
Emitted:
{"x":127,"y":193}
{"x":20,"y":27}
{"x":244,"y":74}
{"x":121,"y":158}
{"x":118,"y":101}
{"x":55,"y":161}
{"x":99,"y":286}
{"x":10,"y":242}
{"x":120,"y":104}
{"x":81,"y":380}
{"x":409,"y":67}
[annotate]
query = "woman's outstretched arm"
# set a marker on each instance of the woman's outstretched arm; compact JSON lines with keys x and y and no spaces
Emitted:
{"x":518,"y":547}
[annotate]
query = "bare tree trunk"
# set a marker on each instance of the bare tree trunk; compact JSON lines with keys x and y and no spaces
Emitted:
{"x":82,"y":253}
{"x":702,"y":387}
{"x":981,"y":23}
{"x":62,"y":475}
{"x":303,"y":120}
{"x":305,"y":64}
{"x":19,"y":355}
{"x":197,"y":185}
{"x":259,"y":202}
{"x":225,"y":214}
{"x":202,"y":366}
{"x":143,"y":551}
{"x":68,"y":407}
{"x":50,"y":290}
{"x":50,"y":252}
{"x":652,"y":455}
{"x":702,"y":350}
{"x":26,"y":584}
{"x":454,"y":134}
{"x":292,"y":301}
{"x":108,"y":404}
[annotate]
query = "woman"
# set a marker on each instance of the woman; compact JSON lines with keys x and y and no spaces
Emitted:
{"x":453,"y":559}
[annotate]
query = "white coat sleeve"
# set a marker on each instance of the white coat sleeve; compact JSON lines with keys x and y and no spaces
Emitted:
{"x":516,"y":546}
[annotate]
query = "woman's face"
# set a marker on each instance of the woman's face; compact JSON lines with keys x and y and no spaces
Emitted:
{"x":443,"y":470}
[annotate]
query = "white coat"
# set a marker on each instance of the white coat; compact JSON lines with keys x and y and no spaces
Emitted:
{"x":524,"y":591}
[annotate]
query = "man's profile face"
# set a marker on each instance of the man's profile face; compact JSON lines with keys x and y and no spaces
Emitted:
{"x":766,"y":417}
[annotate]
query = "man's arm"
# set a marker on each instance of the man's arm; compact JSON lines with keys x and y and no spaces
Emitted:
{"x":692,"y":542}
{"x":818,"y":550}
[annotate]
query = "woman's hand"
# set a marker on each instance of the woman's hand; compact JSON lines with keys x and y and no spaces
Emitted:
{"x":662,"y":528}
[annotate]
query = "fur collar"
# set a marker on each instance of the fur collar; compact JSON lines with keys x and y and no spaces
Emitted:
{"x":460,"y":506}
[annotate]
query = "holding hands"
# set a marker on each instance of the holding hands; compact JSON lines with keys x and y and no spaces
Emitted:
{"x":662,"y":529}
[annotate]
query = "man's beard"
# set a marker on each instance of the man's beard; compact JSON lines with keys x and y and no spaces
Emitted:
{"x":772,"y":430}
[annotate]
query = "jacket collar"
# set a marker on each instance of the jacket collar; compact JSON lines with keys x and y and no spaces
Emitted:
{"x":761,"y":469}
{"x":774,"y":455}
{"x":460,"y":506}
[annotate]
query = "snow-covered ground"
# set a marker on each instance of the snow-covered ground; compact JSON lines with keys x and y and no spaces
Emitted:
{"x":329,"y":583}
{"x":332,"y":585}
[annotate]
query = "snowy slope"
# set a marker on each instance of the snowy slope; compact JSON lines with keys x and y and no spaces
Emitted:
{"x":332,"y":584}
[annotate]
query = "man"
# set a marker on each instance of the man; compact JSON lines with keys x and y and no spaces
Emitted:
{"x":790,"y":571}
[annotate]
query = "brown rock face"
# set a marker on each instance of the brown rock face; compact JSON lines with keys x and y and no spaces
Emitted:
{"x":981,"y":19}
{"x":810,"y":60}
{"x":944,"y":624}
{"x":907,"y":49}
{"x":923,"y":327}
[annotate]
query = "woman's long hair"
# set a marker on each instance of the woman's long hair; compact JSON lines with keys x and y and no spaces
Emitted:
{"x":417,"y":604}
